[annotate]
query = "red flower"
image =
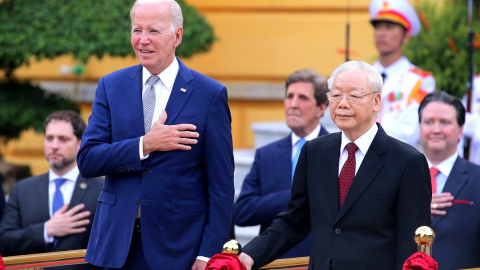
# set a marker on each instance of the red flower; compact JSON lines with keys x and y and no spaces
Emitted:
{"x":2,"y":266}
{"x":225,"y":261}
{"x":420,"y":261}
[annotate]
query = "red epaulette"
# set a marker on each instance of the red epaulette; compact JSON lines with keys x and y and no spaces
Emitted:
{"x":421,"y":72}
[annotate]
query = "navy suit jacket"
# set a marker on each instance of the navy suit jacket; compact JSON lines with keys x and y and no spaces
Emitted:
{"x":22,"y":227}
{"x":2,"y":199}
{"x":186,"y":196}
{"x":457,"y":241}
{"x":388,"y":200}
{"x":266,"y":189}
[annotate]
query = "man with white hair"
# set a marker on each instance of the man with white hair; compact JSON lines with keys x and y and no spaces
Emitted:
{"x":161,"y":134}
{"x":361,"y":193}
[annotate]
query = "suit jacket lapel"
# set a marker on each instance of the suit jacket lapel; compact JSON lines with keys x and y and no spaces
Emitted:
{"x":323,"y":131}
{"x":370,"y":167}
{"x":132,"y":95}
{"x":284,"y":159}
{"x":79,"y":192}
{"x":455,"y":182}
{"x":181,"y":91}
{"x":329,"y":160}
{"x":41,"y":197}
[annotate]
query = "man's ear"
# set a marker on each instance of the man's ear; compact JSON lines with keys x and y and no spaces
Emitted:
{"x":321,"y":110}
{"x":178,"y":36}
{"x":377,"y":99}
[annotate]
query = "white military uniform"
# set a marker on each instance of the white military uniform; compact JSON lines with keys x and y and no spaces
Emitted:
{"x":405,"y":85}
{"x":471,"y":128}
{"x":404,"y":88}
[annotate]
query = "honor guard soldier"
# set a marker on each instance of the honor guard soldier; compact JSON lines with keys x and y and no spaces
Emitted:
{"x":405,"y":85}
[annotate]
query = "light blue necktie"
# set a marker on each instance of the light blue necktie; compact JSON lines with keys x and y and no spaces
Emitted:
{"x":57,"y":200}
{"x":300,"y":143}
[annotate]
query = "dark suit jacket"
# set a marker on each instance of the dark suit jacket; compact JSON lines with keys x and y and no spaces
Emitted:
{"x":186,"y":196}
{"x":22,"y":228}
{"x":266,"y":189}
{"x":388,"y":200}
{"x":2,"y":199}
{"x":457,"y":241}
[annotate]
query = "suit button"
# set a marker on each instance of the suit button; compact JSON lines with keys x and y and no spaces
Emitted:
{"x":338,"y":231}
{"x":146,"y":170}
{"x":137,"y":201}
{"x":329,"y":261}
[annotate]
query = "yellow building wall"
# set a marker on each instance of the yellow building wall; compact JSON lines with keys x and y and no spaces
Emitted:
{"x":258,"y":41}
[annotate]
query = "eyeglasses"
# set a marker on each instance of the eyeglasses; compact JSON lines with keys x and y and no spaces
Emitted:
{"x":335,"y":98}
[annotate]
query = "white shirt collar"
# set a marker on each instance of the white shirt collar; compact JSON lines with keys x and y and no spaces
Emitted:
{"x":363,"y":142}
{"x":167,"y":76}
{"x":446,"y":166}
{"x":312,"y":135}
{"x":401,"y":64}
{"x":71,"y":175}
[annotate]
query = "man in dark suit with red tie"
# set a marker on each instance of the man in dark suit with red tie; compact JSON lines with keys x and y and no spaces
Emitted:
{"x":361,"y":193}
{"x":455,"y":183}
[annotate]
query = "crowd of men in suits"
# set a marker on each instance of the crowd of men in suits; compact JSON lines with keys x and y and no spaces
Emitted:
{"x":349,"y":200}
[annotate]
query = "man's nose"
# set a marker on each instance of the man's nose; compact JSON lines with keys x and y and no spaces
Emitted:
{"x":344,"y":101}
{"x":144,"y":39}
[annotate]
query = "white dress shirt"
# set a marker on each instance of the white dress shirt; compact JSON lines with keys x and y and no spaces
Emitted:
{"x":163,"y":89}
{"x":66,"y":189}
{"x":363,"y":143}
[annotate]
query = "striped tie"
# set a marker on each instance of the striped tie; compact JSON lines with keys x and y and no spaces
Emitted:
{"x":149,"y":99}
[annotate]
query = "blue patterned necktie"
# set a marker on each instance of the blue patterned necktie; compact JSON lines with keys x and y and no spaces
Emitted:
{"x":149,"y":99}
{"x":300,"y":143}
{"x":57,"y":200}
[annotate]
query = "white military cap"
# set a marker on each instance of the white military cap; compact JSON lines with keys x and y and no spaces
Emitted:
{"x":396,"y":11}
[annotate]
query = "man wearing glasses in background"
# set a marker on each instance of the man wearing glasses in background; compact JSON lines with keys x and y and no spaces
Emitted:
{"x":361,"y":193}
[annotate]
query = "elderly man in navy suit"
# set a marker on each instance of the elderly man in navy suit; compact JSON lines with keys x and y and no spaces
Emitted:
{"x":361,"y":193}
{"x":455,"y":183}
{"x":266,"y":189}
{"x":161,"y":133}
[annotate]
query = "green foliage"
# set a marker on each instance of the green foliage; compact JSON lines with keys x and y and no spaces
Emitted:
{"x":24,"y":106}
{"x":430,"y":50}
{"x":50,"y":28}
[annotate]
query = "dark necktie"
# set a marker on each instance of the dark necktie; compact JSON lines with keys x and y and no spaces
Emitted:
{"x":384,"y":75}
{"x":149,"y":99}
{"x":58,"y":201}
{"x":433,"y":177}
{"x":300,"y":143}
{"x":347,"y":173}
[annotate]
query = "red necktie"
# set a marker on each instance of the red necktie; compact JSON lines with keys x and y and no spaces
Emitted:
{"x":347,"y":173}
{"x":433,"y":176}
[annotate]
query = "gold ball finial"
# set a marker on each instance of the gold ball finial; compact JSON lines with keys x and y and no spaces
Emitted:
{"x":232,"y":247}
{"x":424,"y":235}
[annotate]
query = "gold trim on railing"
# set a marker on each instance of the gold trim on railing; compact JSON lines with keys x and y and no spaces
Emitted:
{"x":42,"y":260}
{"x":290,"y":262}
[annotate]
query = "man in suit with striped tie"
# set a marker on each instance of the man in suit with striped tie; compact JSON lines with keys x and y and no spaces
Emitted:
{"x":53,"y":211}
